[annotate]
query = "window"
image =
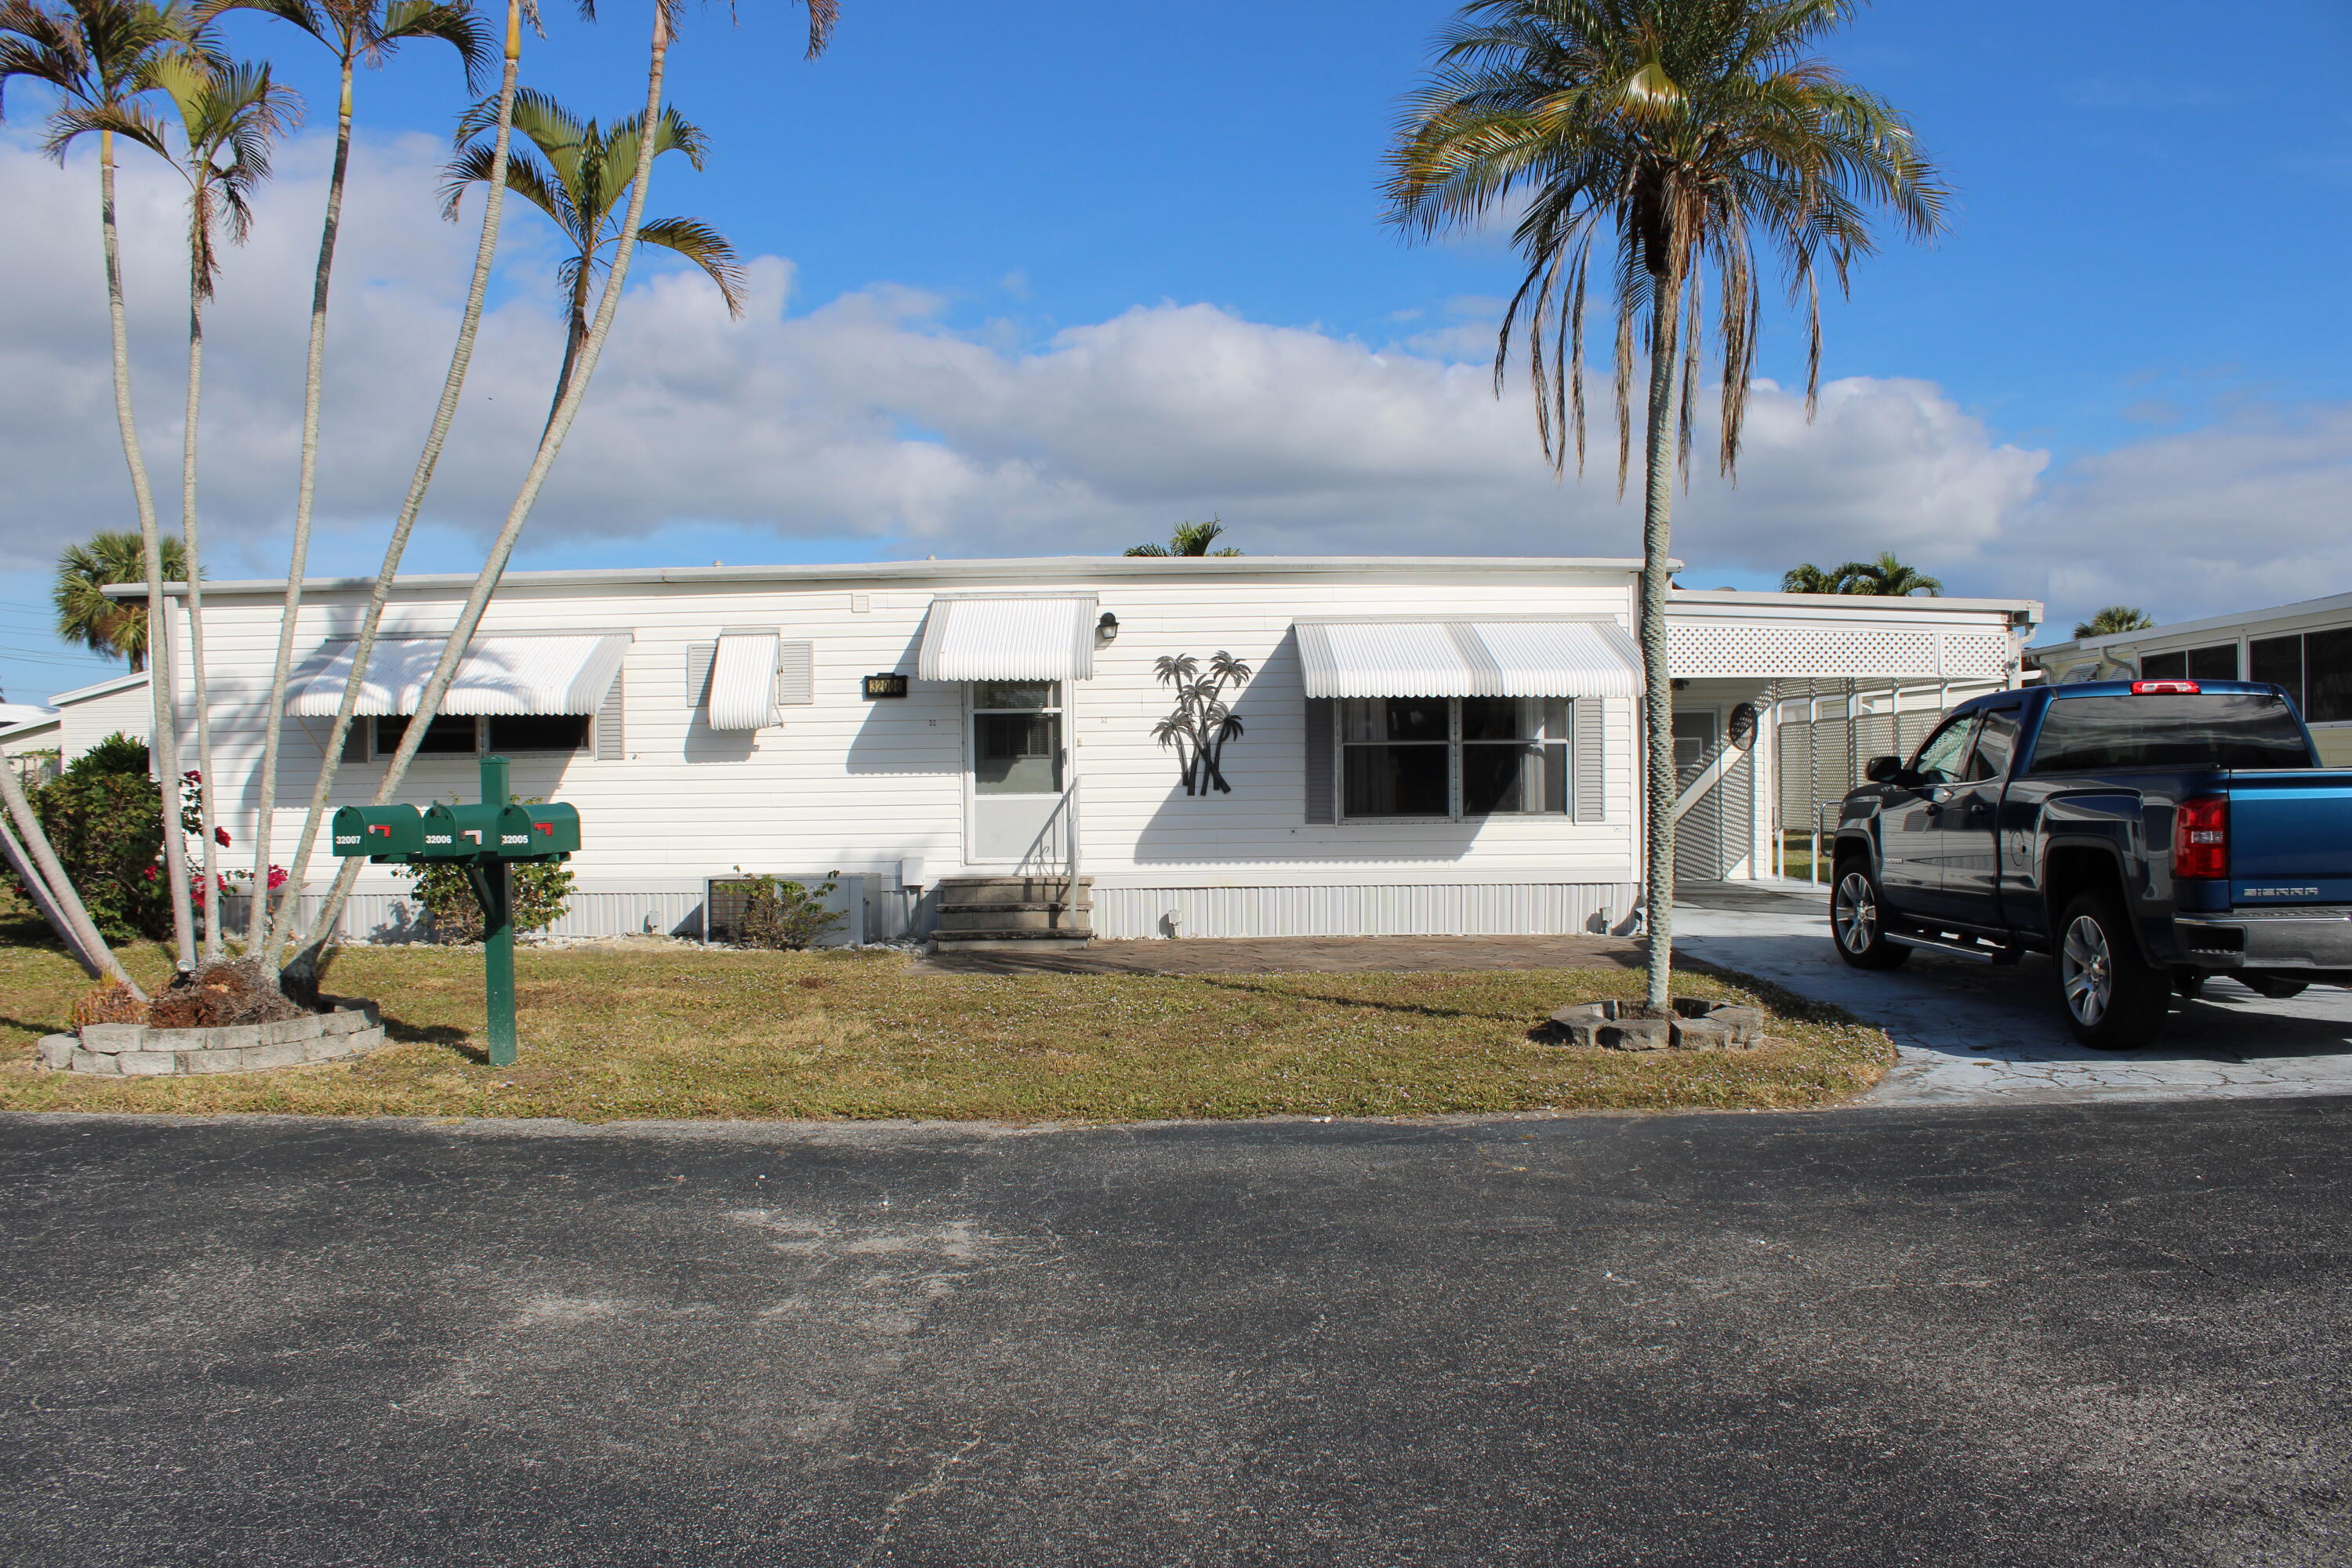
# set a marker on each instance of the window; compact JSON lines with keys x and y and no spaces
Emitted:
{"x":1016,"y":737}
{"x":2278,"y":660}
{"x":1452,"y":757}
{"x":2216,"y":661}
{"x":2328,"y":674}
{"x":449,"y":735}
{"x":1938,"y":760}
{"x":2314,"y":668}
{"x":512,"y":733}
{"x":1996,"y":739}
{"x":2212,"y":730}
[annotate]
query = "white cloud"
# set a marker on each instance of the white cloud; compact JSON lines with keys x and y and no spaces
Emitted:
{"x":2239,"y":515}
{"x":869,"y":417}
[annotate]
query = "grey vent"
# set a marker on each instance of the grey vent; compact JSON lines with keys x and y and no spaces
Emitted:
{"x":698,"y":672}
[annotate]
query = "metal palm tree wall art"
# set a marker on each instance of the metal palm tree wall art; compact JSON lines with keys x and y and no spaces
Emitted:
{"x":1204,"y":720}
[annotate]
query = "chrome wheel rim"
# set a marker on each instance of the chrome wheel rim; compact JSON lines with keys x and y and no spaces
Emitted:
{"x":1855,"y":915}
{"x":2088,"y":970}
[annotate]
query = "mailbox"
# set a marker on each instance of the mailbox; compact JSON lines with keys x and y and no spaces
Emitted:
{"x":381,"y":833}
{"x":460,"y":832}
{"x":538,"y":832}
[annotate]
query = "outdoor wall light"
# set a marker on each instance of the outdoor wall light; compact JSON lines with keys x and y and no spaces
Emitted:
{"x":1106,"y":629}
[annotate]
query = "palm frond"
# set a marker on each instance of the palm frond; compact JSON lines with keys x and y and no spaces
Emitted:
{"x":706,"y":248}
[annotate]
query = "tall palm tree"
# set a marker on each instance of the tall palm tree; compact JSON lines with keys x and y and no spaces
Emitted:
{"x":2113,"y":621}
{"x":1886,"y":578}
{"x":279,"y":931}
{"x":582,"y":175}
{"x":117,"y":627}
{"x":1808,"y":578}
{"x":99,"y":58}
{"x":1188,"y":539}
{"x":357,"y":31}
{"x":822,"y":15}
{"x":1683,"y":134}
{"x":227,"y":114}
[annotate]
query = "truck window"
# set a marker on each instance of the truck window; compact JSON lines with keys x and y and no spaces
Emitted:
{"x":1939,"y":759}
{"x":2209,"y":730}
{"x":1996,"y":739}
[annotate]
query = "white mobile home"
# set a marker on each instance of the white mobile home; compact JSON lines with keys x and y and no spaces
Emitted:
{"x":1419,"y":745}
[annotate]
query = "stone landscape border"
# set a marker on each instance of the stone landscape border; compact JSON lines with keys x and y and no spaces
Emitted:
{"x":1697,"y":1024}
{"x":138,"y":1051}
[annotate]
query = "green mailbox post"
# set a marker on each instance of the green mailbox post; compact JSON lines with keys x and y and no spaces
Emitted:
{"x":484,"y":839}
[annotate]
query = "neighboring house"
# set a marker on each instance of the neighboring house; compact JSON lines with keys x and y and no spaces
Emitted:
{"x":76,"y":721}
{"x":2305,"y":649}
{"x":1427,"y":745}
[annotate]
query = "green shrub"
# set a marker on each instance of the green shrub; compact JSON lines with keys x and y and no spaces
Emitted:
{"x":779,"y":914}
{"x":541,"y":892}
{"x":108,"y":831}
{"x":117,"y":753}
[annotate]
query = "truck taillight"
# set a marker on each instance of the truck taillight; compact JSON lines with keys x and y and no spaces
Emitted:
{"x":2164,"y":688}
{"x":2200,"y":837}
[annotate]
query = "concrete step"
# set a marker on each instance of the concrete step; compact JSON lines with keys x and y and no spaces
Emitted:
{"x":1009,"y":905}
{"x":1026,"y":941}
{"x":985,"y":890}
{"x":1002,"y":918}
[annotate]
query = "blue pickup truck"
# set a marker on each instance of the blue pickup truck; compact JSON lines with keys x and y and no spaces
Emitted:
{"x":2147,"y":834}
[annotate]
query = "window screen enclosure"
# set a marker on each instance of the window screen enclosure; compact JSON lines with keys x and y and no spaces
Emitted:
{"x":1449,"y":757}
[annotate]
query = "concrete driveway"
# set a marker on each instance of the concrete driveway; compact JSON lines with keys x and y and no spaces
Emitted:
{"x":1979,"y":1034}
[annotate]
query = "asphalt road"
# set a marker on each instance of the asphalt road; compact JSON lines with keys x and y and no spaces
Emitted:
{"x":2076,"y":1335}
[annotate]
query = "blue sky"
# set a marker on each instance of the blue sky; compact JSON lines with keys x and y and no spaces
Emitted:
{"x":2140,"y":278}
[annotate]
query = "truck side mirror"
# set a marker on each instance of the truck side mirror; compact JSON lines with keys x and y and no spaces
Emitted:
{"x":1884,"y":769}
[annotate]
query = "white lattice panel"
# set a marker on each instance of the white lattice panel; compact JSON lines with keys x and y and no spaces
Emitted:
{"x":1728,"y":649}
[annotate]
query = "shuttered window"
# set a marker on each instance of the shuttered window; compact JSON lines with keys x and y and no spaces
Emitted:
{"x":1585,"y":738}
{"x":796,"y":673}
{"x":1322,"y":791}
{"x":611,"y":743}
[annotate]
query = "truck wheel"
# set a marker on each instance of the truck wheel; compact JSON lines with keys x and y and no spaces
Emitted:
{"x":1858,"y":920}
{"x":2114,"y":999}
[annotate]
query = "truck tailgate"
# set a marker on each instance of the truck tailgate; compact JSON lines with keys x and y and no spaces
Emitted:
{"x":2290,"y":837}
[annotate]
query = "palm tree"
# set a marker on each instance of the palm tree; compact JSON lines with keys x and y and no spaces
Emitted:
{"x":822,"y":15}
{"x":355,"y":30}
{"x":274,"y":940}
{"x":585,"y":174}
{"x":1685,"y":132}
{"x":2113,"y":621}
{"x":1808,"y":578}
{"x":227,"y":115}
{"x":1188,"y":539}
{"x":101,"y":58}
{"x":117,"y":627}
{"x":1885,"y":578}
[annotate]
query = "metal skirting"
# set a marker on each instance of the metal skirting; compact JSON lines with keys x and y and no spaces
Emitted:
{"x":1460,"y":909}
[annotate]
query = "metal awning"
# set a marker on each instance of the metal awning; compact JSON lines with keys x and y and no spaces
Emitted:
{"x":743,"y":682}
{"x":1490,"y":658}
{"x":1032,"y":638}
{"x":499,"y":675}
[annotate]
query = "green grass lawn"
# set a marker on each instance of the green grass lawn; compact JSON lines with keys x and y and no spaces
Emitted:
{"x":660,"y":1030}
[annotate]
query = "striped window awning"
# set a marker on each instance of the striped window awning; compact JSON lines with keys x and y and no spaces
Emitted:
{"x":498,"y":675}
{"x":743,"y":682}
{"x":1488,"y":658}
{"x":1036,"y":637}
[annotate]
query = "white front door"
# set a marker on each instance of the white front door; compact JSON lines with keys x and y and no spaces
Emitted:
{"x":1019,"y":765}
